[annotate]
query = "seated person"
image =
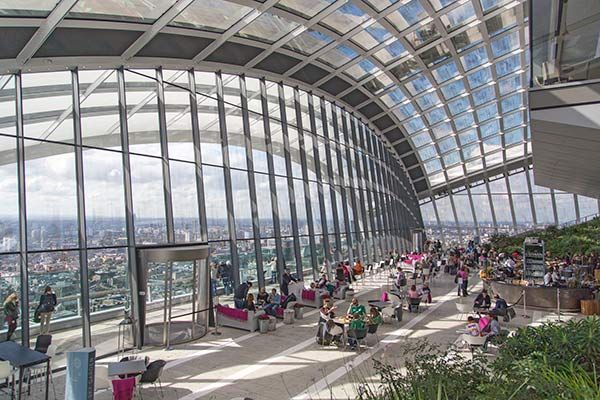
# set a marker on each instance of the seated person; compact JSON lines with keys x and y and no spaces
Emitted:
{"x":472,"y":327}
{"x":374,"y":317}
{"x":262,"y":297}
{"x":494,"y":331}
{"x":427,"y":293}
{"x":327,"y":311}
{"x":484,"y":324}
{"x":356,"y":308}
{"x":500,"y":306}
{"x":324,"y":283}
{"x":313,"y":286}
{"x":356,"y":324}
{"x":413,"y":293}
{"x":333,"y":332}
{"x":482,"y":300}
{"x":249,"y":305}
{"x":273,"y":303}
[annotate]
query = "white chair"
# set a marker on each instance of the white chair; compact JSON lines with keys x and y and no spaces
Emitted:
{"x":474,"y":341}
{"x":463,"y":309}
{"x":6,"y":374}
{"x":388,"y":314}
{"x":101,"y":380}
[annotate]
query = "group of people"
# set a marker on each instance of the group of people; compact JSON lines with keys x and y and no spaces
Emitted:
{"x":42,"y":314}
{"x":332,"y":330}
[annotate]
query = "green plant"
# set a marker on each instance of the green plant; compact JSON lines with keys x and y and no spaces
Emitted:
{"x":551,"y":361}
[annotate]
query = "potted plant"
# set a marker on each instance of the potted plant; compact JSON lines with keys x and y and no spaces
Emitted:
{"x":263,"y":323}
{"x":298,"y":311}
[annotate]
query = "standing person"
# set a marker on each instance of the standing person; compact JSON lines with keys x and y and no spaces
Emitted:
{"x":462,"y":279}
{"x":11,"y":314}
{"x":225,"y":278}
{"x":273,"y":267}
{"x":214,"y":276}
{"x":46,"y":307}
{"x":240,"y":294}
{"x":285,"y":281}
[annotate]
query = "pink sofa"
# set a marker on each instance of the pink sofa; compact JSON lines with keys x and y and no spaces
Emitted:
{"x":235,"y":318}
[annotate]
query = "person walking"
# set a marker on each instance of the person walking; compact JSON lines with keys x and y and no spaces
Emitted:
{"x":11,"y":314}
{"x":46,"y":307}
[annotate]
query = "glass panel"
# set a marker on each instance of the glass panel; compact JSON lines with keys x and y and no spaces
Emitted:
{"x":522,"y":208}
{"x":241,"y":204}
{"x":104,"y":198}
{"x":482,"y":209}
{"x":543,"y":209}
{"x":130,"y":10}
{"x":305,"y":8}
{"x":208,"y":118}
{"x":99,"y":107}
{"x":148,"y":200}
{"x":565,"y":208}
{"x":10,"y":279}
{"x":407,"y":15}
{"x":444,"y":208}
{"x":142,"y":112}
{"x":214,"y":203}
{"x":587,"y":206}
{"x":51,"y":194}
{"x":184,"y":196}
{"x":178,"y":116}
{"x":345,"y":18}
{"x":268,"y":28}
{"x":20,"y":8}
{"x":315,"y":208}
{"x":214,"y":15}
{"x":308,"y":42}
{"x":109,"y":296}
{"x":9,"y":198}
{"x":265,"y":210}
{"x":60,"y":271}
{"x":300,"y":201}
{"x":283,"y":206}
{"x":48,"y":106}
{"x":247,"y":259}
{"x":463,"y":210}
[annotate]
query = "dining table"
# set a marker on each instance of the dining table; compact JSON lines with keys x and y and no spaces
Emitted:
{"x":124,"y":368}
{"x":22,"y":357}
{"x":380,"y":305}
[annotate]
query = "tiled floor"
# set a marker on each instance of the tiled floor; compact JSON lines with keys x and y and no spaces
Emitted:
{"x":288,"y":363}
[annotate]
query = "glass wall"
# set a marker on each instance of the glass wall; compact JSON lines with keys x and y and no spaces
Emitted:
{"x":496,"y":201}
{"x":275,"y":165}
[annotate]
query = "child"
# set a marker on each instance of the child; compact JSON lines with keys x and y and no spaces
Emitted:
{"x":427,"y":293}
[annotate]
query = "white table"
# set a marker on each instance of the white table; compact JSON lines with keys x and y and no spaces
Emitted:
{"x":127,"y":368}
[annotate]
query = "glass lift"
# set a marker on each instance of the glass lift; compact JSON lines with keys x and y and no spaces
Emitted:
{"x":172,"y":305}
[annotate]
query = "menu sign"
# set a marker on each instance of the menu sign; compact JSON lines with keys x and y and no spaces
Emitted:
{"x":534,"y":265}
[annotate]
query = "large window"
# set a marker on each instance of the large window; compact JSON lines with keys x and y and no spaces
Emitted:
{"x":138,"y":167}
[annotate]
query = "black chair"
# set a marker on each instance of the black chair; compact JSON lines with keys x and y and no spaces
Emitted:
{"x":152,"y":375}
{"x":146,"y":361}
{"x":413,"y":304}
{"x":358,"y":335}
{"x":42,"y":342}
{"x":372,"y":330}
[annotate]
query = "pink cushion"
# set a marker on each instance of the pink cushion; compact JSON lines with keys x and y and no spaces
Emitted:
{"x":384,"y":296}
{"x":279,"y":312}
{"x":308,"y":294}
{"x":241,"y":315}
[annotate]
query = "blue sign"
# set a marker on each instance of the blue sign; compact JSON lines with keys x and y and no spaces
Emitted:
{"x":80,"y":374}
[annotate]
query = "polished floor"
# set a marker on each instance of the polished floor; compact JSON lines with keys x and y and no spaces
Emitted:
{"x":288,"y":364}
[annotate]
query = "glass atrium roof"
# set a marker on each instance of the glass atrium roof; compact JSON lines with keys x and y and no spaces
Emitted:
{"x":442,"y":80}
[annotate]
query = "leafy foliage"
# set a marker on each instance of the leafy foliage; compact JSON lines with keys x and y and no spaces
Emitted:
{"x":582,"y":238}
{"x":551,"y":361}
